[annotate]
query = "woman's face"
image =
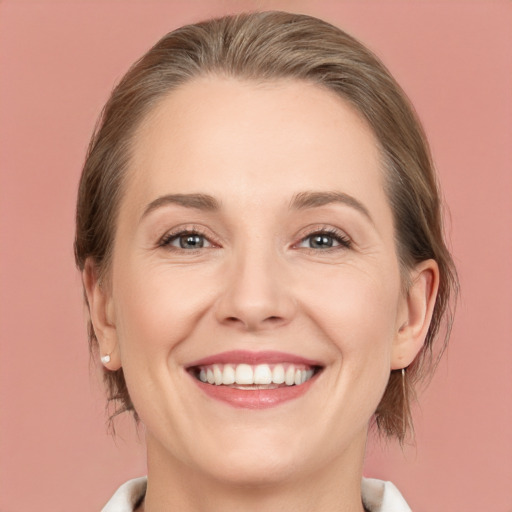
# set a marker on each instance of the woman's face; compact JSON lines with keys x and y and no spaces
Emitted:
{"x":255,"y":241}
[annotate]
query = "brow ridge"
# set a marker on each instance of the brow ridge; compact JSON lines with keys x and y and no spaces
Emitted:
{"x":314,"y":199}
{"x":300,"y":201}
{"x":197,"y":201}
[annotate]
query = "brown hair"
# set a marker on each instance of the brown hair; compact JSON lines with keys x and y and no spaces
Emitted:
{"x":269,"y":46}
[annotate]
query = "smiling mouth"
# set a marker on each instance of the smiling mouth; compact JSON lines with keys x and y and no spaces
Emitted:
{"x":254,"y":377}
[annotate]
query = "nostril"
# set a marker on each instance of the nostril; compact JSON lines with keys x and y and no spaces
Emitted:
{"x":273,"y":321}
{"x":234,"y":321}
{"x":254,"y":323}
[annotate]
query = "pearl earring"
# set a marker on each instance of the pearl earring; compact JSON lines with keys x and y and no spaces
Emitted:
{"x":105,"y":359}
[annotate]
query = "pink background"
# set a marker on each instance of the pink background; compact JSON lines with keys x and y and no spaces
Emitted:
{"x":58,"y":62}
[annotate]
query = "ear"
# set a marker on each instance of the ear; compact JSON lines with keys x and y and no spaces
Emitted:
{"x":101,"y":311}
{"x":416,"y":314}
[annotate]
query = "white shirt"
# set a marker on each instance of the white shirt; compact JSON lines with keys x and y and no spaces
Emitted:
{"x":377,"y":495}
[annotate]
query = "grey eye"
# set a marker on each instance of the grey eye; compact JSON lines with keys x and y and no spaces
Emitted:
{"x":186,"y":241}
{"x":190,"y":241}
{"x":321,"y":241}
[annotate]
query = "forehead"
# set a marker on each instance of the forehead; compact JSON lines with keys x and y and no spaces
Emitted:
{"x":222,"y":135}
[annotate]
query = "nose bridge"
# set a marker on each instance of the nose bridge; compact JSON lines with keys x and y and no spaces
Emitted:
{"x":256,"y":295}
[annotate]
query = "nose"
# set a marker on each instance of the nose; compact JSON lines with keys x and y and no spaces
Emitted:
{"x":256,"y":295}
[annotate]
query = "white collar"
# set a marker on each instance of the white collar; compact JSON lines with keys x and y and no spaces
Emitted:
{"x":377,"y":495}
{"x":381,"y":496}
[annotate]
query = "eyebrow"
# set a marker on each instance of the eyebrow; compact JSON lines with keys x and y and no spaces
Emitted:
{"x":300,"y":201}
{"x":304,"y":200}
{"x":198,"y":201}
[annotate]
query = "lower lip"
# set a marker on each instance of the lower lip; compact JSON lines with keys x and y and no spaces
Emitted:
{"x":255,"y":398}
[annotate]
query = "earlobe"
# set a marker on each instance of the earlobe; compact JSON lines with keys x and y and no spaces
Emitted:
{"x":102,"y":316}
{"x":415,"y":321}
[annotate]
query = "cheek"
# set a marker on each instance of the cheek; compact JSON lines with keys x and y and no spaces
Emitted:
{"x":356,"y":313}
{"x":156,"y":311}
{"x":358,"y":308}
{"x":353,"y":314}
{"x":156,"y":308}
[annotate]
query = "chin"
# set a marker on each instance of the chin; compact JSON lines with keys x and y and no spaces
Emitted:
{"x":255,"y":470}
{"x":257,"y":458}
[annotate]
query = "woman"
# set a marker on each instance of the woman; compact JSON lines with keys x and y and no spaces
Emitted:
{"x":260,"y":238}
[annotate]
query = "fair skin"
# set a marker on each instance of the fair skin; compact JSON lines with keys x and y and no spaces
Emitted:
{"x":292,"y":252}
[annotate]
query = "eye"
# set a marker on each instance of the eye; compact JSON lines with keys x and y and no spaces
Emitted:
{"x":186,"y":240}
{"x":323,"y":240}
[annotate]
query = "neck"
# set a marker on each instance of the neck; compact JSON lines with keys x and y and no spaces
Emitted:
{"x":334,"y":486}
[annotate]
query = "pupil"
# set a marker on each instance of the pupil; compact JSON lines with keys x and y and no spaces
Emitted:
{"x":319,"y":241}
{"x":191,"y":241}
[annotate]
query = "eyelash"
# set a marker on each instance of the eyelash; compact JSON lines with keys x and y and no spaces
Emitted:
{"x":175,"y":235}
{"x":341,"y":238}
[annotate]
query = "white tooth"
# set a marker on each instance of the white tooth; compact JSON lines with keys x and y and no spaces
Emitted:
{"x":228,"y":376}
{"x":278,"y":374}
{"x":209,"y":376}
{"x":262,"y":374}
{"x":217,"y":374}
{"x":298,"y":377}
{"x":309,"y":374}
{"x":202,"y":375}
{"x":290,"y":375}
{"x":244,"y":374}
{"x":304,"y":376}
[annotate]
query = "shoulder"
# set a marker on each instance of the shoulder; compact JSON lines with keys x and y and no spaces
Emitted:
{"x":381,"y":496}
{"x":126,"y":498}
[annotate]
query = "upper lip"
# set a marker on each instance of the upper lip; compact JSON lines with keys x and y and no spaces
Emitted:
{"x":253,"y":358}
